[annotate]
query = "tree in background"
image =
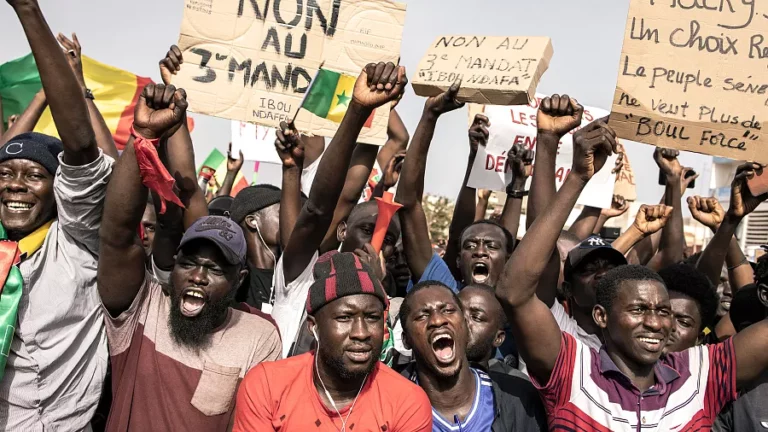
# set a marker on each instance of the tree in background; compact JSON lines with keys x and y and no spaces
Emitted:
{"x":439,"y":211}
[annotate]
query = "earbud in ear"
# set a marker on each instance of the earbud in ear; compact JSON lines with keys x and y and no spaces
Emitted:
{"x":314,"y":332}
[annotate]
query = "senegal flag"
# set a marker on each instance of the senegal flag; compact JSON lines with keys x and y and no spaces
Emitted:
{"x":218,"y":161}
{"x":116,"y":92}
{"x":330,"y":94}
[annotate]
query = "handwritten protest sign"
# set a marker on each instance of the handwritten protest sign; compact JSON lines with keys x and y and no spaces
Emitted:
{"x":253,"y":60}
{"x":256,"y":142}
{"x":692,"y":77}
{"x":625,"y":179}
{"x":517,"y":125}
{"x":493,"y":70}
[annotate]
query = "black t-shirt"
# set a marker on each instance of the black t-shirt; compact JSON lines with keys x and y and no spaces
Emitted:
{"x":256,"y":288}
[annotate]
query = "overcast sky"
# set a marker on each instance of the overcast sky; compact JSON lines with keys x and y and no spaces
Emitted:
{"x":587,"y":38}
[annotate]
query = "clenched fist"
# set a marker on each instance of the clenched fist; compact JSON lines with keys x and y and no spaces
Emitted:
{"x":592,"y":146}
{"x":651,"y":219}
{"x":160,"y":111}
{"x":378,"y":84}
{"x":708,"y":211}
{"x":559,"y":115}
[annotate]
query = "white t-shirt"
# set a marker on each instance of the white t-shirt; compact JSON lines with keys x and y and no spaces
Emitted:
{"x":308,"y":175}
{"x":291,"y":301}
{"x":570,"y":326}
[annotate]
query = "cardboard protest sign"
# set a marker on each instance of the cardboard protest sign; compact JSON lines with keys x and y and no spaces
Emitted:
{"x":494,"y":70}
{"x":256,"y":142}
{"x":253,"y":60}
{"x":517,"y":125}
{"x":692,"y":77}
{"x":625,"y":180}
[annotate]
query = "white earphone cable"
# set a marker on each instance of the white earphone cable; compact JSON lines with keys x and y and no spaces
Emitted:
{"x":328,"y":394}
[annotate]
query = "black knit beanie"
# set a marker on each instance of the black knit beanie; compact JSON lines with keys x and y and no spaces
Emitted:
{"x":37,"y":147}
{"x":253,"y":199}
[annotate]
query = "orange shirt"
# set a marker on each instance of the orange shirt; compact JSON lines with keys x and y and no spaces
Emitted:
{"x":281,"y":396}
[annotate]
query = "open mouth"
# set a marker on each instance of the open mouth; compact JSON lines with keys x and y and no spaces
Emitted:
{"x":653,"y":345}
{"x":18,"y":206}
{"x":443,"y":346}
{"x":192,"y":302}
{"x":480,"y":272}
{"x":725,"y":303}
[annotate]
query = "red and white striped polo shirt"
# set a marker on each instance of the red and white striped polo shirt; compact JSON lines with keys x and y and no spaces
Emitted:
{"x":587,"y":392}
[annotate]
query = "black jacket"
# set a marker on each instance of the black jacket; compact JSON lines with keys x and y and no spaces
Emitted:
{"x":516,"y":402}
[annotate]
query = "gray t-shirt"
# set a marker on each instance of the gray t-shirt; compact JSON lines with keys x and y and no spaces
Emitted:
{"x":58,"y":358}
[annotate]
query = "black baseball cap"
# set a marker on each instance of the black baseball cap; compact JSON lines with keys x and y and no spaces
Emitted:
{"x":223,"y":232}
{"x":591,"y":247}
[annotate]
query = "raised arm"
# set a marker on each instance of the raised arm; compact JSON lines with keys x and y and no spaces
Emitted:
{"x":358,"y":173}
{"x":521,"y":163}
{"x":465,"y":208}
{"x":290,"y":149}
{"x":618,"y":207}
{"x":557,"y":116}
{"x":391,"y":174}
{"x":742,"y":203}
{"x":397,"y":138}
{"x":416,"y":244}
{"x":181,"y":152}
{"x":73,"y":52}
{"x":64,"y":93}
{"x":751,"y":344}
{"x":483,"y":195}
{"x":671,"y":246}
{"x":710,"y":213}
{"x":585,"y":223}
{"x":536,"y":332}
{"x":376,"y":85}
{"x":28,"y":119}
{"x":233,"y":169}
{"x":122,"y":258}
{"x":649,"y":220}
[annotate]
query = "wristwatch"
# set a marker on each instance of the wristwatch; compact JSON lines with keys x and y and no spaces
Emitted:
{"x":517,"y":193}
{"x":89,"y":94}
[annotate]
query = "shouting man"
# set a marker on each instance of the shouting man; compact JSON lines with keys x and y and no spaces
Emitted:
{"x":177,"y":354}
{"x":462,"y":398}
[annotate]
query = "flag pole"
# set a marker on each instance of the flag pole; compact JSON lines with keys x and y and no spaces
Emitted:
{"x":309,"y":89}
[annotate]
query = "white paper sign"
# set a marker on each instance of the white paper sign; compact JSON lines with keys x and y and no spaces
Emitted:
{"x":517,"y":125}
{"x":255,"y":141}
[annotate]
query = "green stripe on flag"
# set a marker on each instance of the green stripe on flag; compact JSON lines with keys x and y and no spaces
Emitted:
{"x":19,"y":82}
{"x":321,"y":93}
{"x":214,"y":159}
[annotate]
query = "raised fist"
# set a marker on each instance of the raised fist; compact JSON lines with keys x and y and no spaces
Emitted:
{"x":651,"y":219}
{"x":289,"y":145}
{"x":742,"y":200}
{"x":520,"y":160}
{"x":446,"y":101}
{"x":707,"y":211}
{"x":619,"y":206}
{"x":393,"y":169}
{"x":592,"y":145}
{"x":559,"y":115}
{"x":160,"y":111}
{"x":667,"y":161}
{"x":171,"y":64}
{"x":234,"y":164}
{"x":378,"y":84}
{"x":478,"y":132}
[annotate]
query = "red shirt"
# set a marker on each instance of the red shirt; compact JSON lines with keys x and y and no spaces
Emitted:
{"x":281,"y":396}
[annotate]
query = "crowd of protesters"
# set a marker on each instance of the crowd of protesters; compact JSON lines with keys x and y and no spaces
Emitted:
{"x":145,"y":304}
